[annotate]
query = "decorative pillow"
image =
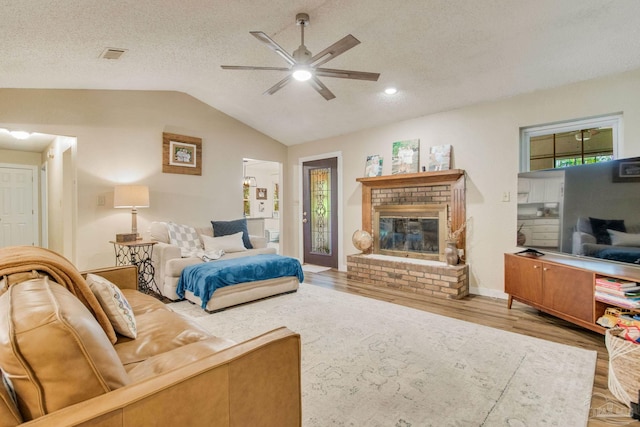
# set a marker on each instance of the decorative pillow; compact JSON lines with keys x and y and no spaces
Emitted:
{"x":618,"y":238}
{"x":114,"y":303}
{"x":230,"y":243}
{"x":185,"y":237}
{"x":224,"y":228}
{"x":600,"y":227}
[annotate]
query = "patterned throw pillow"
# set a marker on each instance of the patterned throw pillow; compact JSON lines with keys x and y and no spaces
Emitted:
{"x":185,"y":237}
{"x":114,"y":303}
{"x":225,"y":228}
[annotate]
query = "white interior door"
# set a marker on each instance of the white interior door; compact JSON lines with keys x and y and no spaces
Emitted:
{"x":17,"y":214}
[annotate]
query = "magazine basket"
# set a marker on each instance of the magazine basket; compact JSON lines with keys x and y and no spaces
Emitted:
{"x":624,"y":366}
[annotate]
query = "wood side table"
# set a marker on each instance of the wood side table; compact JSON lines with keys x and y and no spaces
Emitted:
{"x":138,"y":253}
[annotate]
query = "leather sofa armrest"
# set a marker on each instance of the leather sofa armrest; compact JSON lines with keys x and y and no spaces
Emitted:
{"x":124,"y":277}
{"x":258,"y":242}
{"x":256,"y":382}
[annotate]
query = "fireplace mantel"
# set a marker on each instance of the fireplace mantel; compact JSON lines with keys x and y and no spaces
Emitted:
{"x":452,"y":180}
{"x":412,"y":179}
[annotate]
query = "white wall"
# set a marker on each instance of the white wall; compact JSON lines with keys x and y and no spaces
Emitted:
{"x":119,"y":140}
{"x":485,"y":141}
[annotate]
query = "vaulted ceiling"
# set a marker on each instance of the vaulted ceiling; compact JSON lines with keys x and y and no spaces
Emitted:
{"x":440,"y":54}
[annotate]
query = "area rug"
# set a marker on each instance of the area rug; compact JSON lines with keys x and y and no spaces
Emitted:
{"x":372,"y":363}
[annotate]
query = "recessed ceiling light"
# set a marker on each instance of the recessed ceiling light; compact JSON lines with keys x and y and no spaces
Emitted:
{"x":391,"y":91}
{"x":19,"y":134}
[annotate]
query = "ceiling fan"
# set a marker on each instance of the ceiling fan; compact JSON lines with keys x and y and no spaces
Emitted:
{"x":305,"y":67}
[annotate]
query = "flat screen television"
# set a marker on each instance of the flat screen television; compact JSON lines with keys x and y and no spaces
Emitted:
{"x":590,"y":210}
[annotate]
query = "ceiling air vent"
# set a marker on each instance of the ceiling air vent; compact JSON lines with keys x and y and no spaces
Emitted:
{"x":112,"y":53}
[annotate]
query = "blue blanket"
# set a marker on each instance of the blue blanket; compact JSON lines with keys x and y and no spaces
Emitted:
{"x":203,"y":279}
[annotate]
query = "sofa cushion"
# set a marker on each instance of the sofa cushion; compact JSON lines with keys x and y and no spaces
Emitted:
{"x":159,"y":232}
{"x":600,"y":227}
{"x":159,"y":331}
{"x":185,"y":237}
{"x":226,"y":244}
{"x":178,"y":357}
{"x":224,"y":228}
{"x":53,"y":350}
{"x":115,"y":304}
{"x":142,"y":303}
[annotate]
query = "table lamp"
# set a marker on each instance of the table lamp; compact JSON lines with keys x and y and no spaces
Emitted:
{"x":134,"y":197}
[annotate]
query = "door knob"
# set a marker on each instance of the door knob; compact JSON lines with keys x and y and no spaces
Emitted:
{"x":304,"y":220}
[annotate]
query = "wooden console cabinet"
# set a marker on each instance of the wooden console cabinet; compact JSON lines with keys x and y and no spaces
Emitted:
{"x":562,"y":286}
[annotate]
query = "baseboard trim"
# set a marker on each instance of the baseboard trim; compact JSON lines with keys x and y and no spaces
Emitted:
{"x":487,"y":292}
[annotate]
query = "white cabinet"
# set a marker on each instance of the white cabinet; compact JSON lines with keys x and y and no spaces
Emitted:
{"x":540,"y":190}
{"x":553,"y":189}
{"x":541,"y":232}
{"x":536,"y":191}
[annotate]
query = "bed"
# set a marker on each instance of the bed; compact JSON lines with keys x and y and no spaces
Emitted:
{"x":224,"y":283}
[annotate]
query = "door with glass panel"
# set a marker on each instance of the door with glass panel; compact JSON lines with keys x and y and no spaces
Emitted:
{"x":320,"y":212}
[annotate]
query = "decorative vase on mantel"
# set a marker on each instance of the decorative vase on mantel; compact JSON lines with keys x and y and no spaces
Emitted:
{"x":451,"y":252}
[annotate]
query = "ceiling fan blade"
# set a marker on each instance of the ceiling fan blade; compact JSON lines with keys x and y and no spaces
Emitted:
{"x":322,"y":89}
{"x":273,"y":46}
{"x":345,"y":74}
{"x":250,"y":67}
{"x":339,"y":47}
{"x":276,"y":87}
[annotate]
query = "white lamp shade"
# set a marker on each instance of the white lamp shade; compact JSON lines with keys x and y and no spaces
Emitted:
{"x":131,"y":196}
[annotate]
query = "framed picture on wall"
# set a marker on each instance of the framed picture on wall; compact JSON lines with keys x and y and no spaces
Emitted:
{"x":626,"y":171}
{"x":181,"y":154}
{"x":261,"y":194}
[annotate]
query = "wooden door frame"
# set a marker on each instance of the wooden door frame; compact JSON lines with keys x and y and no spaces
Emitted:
{"x":35,"y":190}
{"x":342,"y":266}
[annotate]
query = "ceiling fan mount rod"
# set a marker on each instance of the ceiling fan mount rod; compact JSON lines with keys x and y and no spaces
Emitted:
{"x":302,"y":19}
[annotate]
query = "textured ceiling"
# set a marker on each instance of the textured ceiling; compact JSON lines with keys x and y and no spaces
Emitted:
{"x":440,"y":54}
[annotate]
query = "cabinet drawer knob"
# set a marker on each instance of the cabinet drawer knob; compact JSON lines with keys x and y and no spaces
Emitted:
{"x":536,"y":266}
{"x":545,"y":269}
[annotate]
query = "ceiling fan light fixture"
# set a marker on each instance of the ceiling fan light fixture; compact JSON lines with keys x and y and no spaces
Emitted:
{"x":302,"y":74}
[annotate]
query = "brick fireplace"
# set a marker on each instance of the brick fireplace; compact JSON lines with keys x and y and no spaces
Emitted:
{"x":414,"y":198}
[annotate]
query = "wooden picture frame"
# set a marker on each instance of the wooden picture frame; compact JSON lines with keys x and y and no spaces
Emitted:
{"x":626,"y":171}
{"x":261,"y":194}
{"x":181,"y":154}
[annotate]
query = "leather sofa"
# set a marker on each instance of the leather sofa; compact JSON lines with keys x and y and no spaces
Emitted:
{"x":66,"y":371}
{"x":168,"y":262}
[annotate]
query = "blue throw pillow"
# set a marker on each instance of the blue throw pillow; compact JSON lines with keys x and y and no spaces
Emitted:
{"x":225,"y":228}
{"x":600,"y":226}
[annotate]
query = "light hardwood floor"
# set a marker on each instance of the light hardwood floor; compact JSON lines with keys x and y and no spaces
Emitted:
{"x":521,"y":319}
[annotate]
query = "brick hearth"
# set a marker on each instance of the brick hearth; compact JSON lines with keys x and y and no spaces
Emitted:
{"x":414,"y":277}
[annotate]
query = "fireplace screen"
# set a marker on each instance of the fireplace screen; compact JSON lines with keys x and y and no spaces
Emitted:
{"x":415,"y":231}
{"x":409,"y":234}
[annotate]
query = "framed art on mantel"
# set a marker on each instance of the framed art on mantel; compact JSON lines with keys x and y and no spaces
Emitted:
{"x":405,"y":156}
{"x":181,"y":154}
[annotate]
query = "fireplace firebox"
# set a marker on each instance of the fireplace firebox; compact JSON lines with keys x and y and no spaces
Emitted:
{"x":413,"y":231}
